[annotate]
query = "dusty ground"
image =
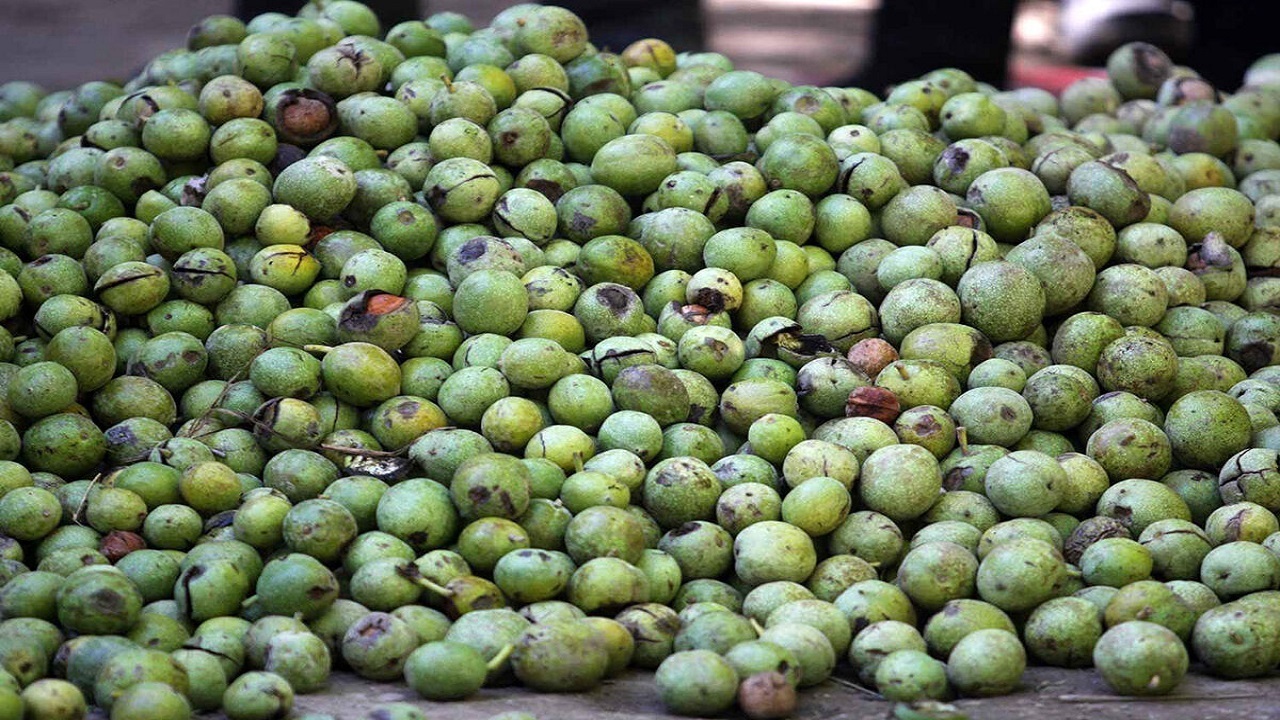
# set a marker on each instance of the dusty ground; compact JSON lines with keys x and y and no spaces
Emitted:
{"x":1047,"y":694}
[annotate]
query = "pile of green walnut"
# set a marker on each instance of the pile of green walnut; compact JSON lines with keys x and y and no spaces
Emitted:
{"x":471,"y":357}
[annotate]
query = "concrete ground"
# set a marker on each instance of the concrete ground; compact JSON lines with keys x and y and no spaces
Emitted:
{"x":1046,"y":694}
{"x":61,"y":43}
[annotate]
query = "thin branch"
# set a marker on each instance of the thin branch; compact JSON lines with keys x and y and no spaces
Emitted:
{"x":855,"y":686}
{"x":1152,"y":698}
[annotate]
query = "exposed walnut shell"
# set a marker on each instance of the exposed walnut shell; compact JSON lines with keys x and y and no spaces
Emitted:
{"x":871,"y":355}
{"x":873,"y":402}
{"x":119,"y":543}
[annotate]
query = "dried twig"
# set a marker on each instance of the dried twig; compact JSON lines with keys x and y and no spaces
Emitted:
{"x":855,"y":686}
{"x":215,"y":405}
{"x":78,"y":515}
{"x":1152,"y":698}
{"x":363,"y":451}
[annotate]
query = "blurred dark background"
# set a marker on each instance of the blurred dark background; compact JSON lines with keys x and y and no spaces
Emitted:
{"x":1047,"y":43}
